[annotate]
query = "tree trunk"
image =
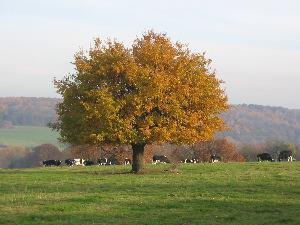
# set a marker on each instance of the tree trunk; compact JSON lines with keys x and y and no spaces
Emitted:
{"x":137,"y":157}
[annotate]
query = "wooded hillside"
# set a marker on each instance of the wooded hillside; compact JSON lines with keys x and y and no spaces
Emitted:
{"x":251,"y":124}
{"x":254,"y":124}
{"x":24,"y":111}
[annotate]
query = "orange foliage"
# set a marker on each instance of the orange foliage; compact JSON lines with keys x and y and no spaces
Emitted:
{"x":90,"y":152}
{"x":222,"y":147}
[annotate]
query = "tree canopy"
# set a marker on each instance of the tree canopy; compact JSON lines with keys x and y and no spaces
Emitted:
{"x":154,"y":91}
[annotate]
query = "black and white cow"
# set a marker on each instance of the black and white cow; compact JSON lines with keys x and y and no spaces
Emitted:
{"x":215,"y":158}
{"x":127,"y":161}
{"x":190,"y":161}
{"x":264,"y":157}
{"x":160,"y":159}
{"x":70,"y":162}
{"x":88,"y":163}
{"x":112,"y":161}
{"x":107,"y":161}
{"x":285,"y":156}
{"x":102,"y":161}
{"x":79,"y":162}
{"x":52,"y":162}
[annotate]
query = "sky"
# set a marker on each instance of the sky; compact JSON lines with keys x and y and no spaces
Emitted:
{"x":254,"y":44}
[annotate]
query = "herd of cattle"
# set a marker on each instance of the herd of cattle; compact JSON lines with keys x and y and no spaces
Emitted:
{"x":283,"y":156}
{"x":83,"y":162}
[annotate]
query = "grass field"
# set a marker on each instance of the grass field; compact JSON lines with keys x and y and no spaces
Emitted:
{"x":28,"y":136}
{"x":249,"y":193}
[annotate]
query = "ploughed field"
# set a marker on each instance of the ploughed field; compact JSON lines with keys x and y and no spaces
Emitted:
{"x":232,"y":193}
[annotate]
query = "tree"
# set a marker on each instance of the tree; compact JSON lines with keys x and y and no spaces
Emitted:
{"x":155,"y":91}
{"x":274,"y":147}
{"x":250,"y":152}
{"x":88,"y":152}
{"x":228,"y":151}
{"x":43,"y":152}
{"x":223,"y":147}
{"x":13,"y":157}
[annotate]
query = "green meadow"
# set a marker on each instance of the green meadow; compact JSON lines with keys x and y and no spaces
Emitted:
{"x":232,"y":193}
{"x":28,"y":136}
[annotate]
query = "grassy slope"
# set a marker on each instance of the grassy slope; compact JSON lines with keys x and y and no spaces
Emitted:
{"x":250,"y":193}
{"x":28,"y":136}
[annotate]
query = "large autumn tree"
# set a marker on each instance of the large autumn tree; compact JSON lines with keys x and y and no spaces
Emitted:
{"x":155,"y":91}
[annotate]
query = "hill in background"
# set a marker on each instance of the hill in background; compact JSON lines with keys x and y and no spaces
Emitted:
{"x":249,"y":124}
{"x":24,"y":111}
{"x":254,"y":124}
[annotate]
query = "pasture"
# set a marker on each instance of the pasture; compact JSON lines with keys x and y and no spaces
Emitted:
{"x":232,"y":193}
{"x":28,"y":136}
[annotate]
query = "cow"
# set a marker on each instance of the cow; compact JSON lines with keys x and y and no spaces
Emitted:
{"x":190,"y":161}
{"x":127,"y":161}
{"x":88,"y":163}
{"x":112,"y":161}
{"x":52,"y":162}
{"x":215,"y":158}
{"x":264,"y":157}
{"x":285,"y":156}
{"x":70,"y":162}
{"x":79,"y":162}
{"x":102,"y":161}
{"x":160,"y":159}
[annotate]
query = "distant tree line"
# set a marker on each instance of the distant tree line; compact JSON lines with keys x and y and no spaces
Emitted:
{"x":21,"y":157}
{"x":273,"y":147}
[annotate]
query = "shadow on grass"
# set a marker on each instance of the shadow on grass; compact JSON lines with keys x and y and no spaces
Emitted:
{"x":146,"y":171}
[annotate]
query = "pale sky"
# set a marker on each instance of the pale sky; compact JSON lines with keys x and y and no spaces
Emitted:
{"x":254,"y":44}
